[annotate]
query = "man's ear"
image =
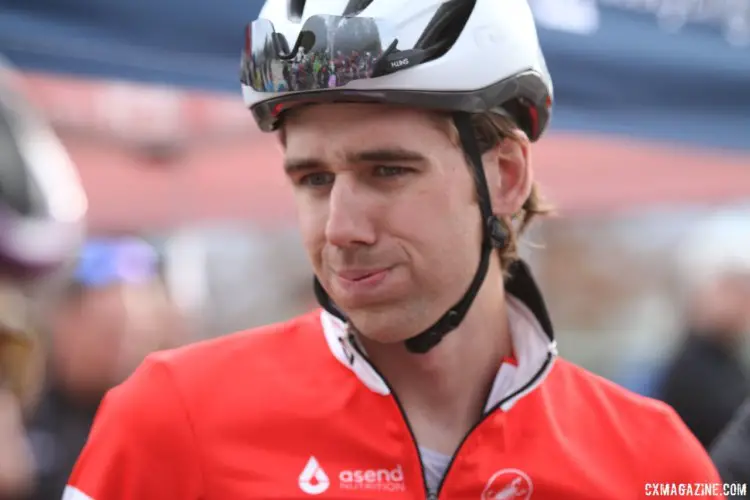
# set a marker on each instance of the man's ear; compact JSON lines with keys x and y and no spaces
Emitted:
{"x":509,"y":174}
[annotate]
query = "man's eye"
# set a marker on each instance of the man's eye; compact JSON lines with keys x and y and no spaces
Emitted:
{"x":390,"y":171}
{"x":316,"y":179}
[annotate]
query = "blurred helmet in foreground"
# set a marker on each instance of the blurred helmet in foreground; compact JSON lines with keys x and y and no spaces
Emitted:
{"x":42,"y":202}
{"x":42,"y":222}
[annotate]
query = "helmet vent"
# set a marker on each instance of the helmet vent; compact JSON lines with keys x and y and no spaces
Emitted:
{"x":445,"y":27}
{"x":295,"y":10}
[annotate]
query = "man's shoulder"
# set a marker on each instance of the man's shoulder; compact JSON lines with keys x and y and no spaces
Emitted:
{"x":644,"y":432}
{"x":248,"y":348}
{"x":243,"y":366}
{"x":239,"y":381}
{"x":597,"y":391}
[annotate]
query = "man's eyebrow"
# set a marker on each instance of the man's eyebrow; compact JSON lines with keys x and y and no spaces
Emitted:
{"x":385,"y":155}
{"x":297,"y":165}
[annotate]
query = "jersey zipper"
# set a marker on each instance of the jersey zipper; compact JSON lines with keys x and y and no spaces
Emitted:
{"x":495,"y":407}
{"x":428,"y":495}
{"x":436,"y":496}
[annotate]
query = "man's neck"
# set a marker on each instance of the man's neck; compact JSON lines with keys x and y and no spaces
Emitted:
{"x":443,"y":392}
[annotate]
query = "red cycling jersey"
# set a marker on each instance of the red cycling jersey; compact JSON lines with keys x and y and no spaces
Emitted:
{"x":294,"y":410}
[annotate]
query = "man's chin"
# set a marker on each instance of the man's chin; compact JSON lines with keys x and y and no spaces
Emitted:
{"x":381,"y":338}
{"x":373,"y":328}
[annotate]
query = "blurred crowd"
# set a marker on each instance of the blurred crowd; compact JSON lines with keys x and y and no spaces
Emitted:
{"x":87,"y":338}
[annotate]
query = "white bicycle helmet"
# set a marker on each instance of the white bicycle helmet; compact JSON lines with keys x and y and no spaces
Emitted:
{"x":458,"y":56}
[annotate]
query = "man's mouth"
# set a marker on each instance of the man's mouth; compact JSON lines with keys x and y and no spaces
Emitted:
{"x":361,"y":275}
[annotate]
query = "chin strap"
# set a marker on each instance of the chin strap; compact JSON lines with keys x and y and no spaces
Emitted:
{"x":494,"y":236}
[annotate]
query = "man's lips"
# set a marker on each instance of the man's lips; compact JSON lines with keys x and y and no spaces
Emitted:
{"x":355,"y":275}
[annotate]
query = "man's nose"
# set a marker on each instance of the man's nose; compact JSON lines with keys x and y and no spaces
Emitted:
{"x":349,"y":221}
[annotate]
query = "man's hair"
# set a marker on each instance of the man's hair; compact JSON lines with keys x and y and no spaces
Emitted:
{"x":491,"y":129}
{"x":21,"y":366}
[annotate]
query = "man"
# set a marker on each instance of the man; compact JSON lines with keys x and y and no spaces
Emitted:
{"x":42,"y":209}
{"x":706,"y":381}
{"x":113,"y":313}
{"x":403,"y":211}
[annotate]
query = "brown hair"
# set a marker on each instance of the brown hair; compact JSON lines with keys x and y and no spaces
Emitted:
{"x":21,"y":366}
{"x":22,"y":349}
{"x":491,"y":129}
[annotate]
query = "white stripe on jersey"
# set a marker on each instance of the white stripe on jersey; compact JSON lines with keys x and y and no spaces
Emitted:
{"x":72,"y":493}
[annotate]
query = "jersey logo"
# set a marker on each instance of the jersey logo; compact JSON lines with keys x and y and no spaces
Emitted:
{"x":508,"y":484}
{"x":313,"y":479}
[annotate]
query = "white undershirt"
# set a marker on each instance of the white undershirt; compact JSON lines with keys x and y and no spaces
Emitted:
{"x":435,"y":465}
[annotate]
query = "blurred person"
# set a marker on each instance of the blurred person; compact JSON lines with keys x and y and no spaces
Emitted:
{"x":706,"y":380}
{"x":731,"y":450}
{"x":432,"y":370}
{"x":114,"y":313}
{"x":42,"y":212}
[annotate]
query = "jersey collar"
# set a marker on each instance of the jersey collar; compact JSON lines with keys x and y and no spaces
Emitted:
{"x":531,"y":333}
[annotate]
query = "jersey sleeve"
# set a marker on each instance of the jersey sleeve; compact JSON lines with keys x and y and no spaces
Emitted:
{"x":141,"y":445}
{"x":681,"y":459}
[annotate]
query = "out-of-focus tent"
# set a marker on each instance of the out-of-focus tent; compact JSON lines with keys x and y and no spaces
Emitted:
{"x":652,"y":104}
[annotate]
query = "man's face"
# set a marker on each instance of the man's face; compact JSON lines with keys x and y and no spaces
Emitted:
{"x":388,"y":214}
